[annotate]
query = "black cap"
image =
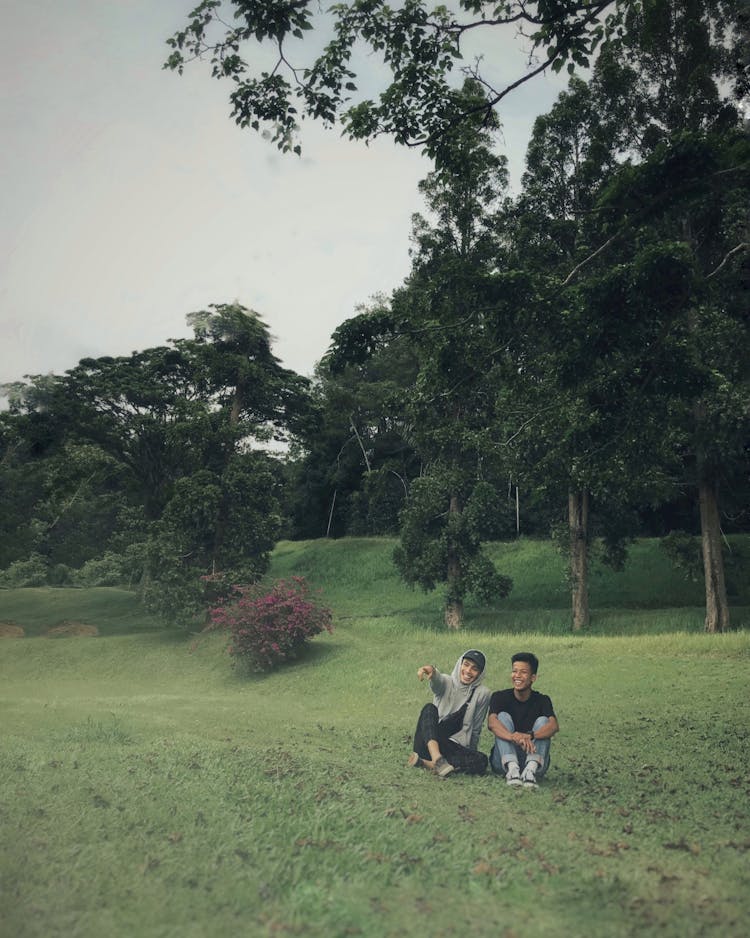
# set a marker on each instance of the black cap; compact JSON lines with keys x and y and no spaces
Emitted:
{"x":477,"y":657}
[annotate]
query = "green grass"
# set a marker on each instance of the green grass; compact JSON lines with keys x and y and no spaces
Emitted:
{"x":148,"y":789}
{"x":112,"y":611}
{"x":357,"y":578}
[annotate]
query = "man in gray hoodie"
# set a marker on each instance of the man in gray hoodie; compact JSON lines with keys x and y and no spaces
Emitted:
{"x":448,"y":730}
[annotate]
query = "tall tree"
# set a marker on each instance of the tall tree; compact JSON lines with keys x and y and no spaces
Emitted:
{"x":176,"y":425}
{"x":661,"y":77}
{"x":254,"y":397}
{"x":447,"y":308}
{"x":567,"y":158}
{"x":356,"y":473}
{"x":677,"y":64}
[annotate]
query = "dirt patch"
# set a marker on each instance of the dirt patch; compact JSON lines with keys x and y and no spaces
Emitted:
{"x":11,"y":630}
{"x":71,"y":630}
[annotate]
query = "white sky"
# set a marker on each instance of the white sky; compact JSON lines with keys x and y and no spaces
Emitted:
{"x":130,"y":199}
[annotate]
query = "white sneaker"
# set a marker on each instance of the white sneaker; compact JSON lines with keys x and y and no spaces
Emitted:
{"x":512,"y":775}
{"x":528,"y":779}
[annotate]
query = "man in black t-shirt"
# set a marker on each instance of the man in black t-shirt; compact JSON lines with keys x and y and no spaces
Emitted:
{"x":523,"y":723}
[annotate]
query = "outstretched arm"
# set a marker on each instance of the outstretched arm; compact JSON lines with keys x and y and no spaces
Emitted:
{"x":436,"y":679}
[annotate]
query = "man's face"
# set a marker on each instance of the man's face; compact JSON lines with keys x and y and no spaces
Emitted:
{"x":521,"y":677}
{"x":469,"y":671}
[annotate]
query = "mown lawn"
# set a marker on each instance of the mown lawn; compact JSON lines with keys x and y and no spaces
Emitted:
{"x":147,"y":789}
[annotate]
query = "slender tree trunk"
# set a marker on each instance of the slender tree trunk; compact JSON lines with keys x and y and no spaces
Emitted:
{"x":454,"y":606}
{"x":717,"y":607}
{"x":330,"y":513}
{"x":578,"y":523}
{"x":222,"y":520}
{"x":361,"y":444}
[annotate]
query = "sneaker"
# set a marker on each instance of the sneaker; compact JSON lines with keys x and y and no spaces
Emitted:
{"x":528,"y":779}
{"x":512,"y":775}
{"x":443,"y":768}
{"x":414,"y":762}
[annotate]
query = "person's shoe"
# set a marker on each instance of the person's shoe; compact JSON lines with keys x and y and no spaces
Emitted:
{"x":528,"y":778}
{"x":512,"y":775}
{"x":443,"y":768}
{"x":414,"y":762}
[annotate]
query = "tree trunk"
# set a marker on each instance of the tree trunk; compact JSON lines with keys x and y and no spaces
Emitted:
{"x":222,"y":520}
{"x":454,"y":613}
{"x":578,"y":523}
{"x":454,"y":606}
{"x":717,"y":607}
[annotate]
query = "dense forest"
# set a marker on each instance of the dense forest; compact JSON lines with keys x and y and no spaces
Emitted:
{"x":571,"y":361}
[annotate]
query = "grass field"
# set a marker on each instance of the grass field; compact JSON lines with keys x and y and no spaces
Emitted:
{"x":147,"y":789}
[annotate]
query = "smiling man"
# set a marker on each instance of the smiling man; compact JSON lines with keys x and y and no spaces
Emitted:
{"x":523,"y":722}
{"x":448,"y":729}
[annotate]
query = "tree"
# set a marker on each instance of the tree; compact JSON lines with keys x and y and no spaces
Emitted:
{"x":244,"y":378}
{"x":174,"y":429}
{"x":685,"y":72}
{"x":58,"y":498}
{"x":446,"y":307}
{"x":703,"y":222}
{"x":186,"y":549}
{"x":355,"y":474}
{"x":664,"y":68}
{"x":252,"y":396}
{"x":566,"y":160}
{"x":658,"y":78}
{"x":419,"y":45}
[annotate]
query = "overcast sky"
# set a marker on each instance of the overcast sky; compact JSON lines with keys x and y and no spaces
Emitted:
{"x":130,"y":199}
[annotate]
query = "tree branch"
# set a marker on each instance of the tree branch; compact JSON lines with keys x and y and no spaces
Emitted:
{"x":743,"y":246}
{"x":590,"y":258}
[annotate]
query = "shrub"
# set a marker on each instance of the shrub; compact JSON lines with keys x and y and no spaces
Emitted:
{"x":684,"y":552}
{"x":107,"y":570}
{"x":60,"y":574}
{"x":270,"y":627}
{"x":23,"y":573}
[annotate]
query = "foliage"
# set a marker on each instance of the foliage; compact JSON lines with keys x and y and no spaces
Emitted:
{"x":107,"y":570}
{"x":195,"y":537}
{"x":420,"y":47}
{"x":449,"y":308}
{"x":431,"y":535}
{"x":352,"y":476}
{"x":151,"y":455}
{"x":33,"y":571}
{"x":684,"y":552}
{"x":59,"y":498}
{"x":269,"y":628}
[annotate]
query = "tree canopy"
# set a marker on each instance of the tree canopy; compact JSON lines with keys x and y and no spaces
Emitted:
{"x":419,"y":47}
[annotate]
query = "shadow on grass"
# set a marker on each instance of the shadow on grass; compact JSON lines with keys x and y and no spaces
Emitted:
{"x":310,"y":656}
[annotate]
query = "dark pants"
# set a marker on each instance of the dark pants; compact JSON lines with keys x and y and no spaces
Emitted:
{"x":462,"y":759}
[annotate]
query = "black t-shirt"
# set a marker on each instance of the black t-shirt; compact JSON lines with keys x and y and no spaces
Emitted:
{"x":522,"y":712}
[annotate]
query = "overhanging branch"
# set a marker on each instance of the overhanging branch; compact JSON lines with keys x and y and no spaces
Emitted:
{"x":743,"y":246}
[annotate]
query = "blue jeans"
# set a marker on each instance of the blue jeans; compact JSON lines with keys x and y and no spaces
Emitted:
{"x":504,"y":752}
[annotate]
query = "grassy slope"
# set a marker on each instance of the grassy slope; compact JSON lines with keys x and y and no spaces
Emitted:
{"x":147,"y":789}
{"x":358,"y":579}
{"x":112,"y":611}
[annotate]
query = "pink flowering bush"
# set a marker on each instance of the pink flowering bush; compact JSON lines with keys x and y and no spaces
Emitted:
{"x":270,"y":627}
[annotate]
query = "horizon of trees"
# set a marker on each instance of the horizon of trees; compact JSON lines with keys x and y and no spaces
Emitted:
{"x":571,"y":361}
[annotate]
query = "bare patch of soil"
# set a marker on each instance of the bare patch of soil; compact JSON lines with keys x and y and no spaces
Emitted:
{"x":11,"y":630}
{"x":71,"y":630}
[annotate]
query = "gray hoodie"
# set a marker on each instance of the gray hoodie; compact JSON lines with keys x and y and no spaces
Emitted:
{"x":451,"y":694}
